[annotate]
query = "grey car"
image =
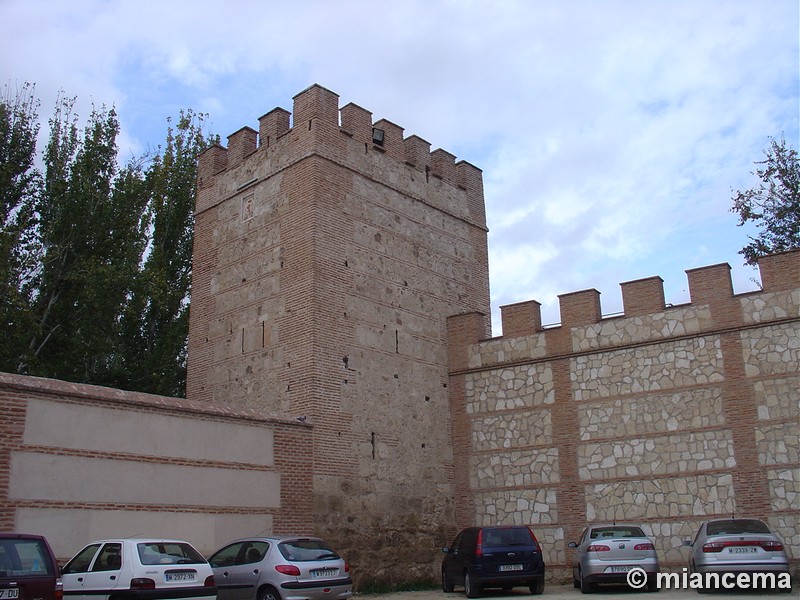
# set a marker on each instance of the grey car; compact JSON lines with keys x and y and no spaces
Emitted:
{"x":607,"y":552}
{"x":736,"y":546}
{"x":280,"y":568}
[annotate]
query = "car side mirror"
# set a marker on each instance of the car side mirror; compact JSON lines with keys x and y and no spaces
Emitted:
{"x":446,"y":550}
{"x":572,"y":545}
{"x":687,"y":543}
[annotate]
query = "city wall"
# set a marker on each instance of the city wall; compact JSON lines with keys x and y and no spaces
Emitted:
{"x":664,"y":416}
{"x":80,"y":463}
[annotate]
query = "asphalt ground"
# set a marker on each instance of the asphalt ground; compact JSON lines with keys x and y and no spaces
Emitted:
{"x":566,"y":592}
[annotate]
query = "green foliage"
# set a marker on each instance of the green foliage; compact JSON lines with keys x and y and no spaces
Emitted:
{"x":774,"y":205}
{"x":19,"y":183}
{"x":92,"y":241}
{"x":95,"y":257}
{"x":152,"y":354}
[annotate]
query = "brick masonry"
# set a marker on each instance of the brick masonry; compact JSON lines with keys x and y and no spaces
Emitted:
{"x":326,"y":266}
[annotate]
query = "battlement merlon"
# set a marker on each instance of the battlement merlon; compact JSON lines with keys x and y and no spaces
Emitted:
{"x":319,"y":105}
{"x":710,"y":285}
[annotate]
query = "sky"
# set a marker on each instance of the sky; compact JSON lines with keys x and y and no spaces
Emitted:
{"x":612,"y":134}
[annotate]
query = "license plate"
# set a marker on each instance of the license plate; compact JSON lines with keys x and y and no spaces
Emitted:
{"x":325,"y":573}
{"x":178,"y":576}
{"x":9,"y":593}
{"x":618,"y":569}
{"x":510,"y":568}
{"x":742,"y":550}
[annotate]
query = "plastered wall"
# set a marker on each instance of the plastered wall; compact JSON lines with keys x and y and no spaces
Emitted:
{"x":79,"y":463}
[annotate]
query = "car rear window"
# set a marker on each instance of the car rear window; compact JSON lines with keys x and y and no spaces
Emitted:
{"x":25,"y":558}
{"x":510,"y":536}
{"x":616,"y":532}
{"x":168,"y":553}
{"x":736,"y":526}
{"x":303,"y":550}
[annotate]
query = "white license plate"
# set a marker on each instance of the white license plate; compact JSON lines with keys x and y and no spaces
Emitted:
{"x":325,"y":573}
{"x":9,"y":593}
{"x":742,"y":550}
{"x":510,"y":568}
{"x":178,"y":576}
{"x":618,"y":569}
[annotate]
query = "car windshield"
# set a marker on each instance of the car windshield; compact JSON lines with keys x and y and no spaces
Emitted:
{"x":24,"y":558}
{"x":303,"y":550}
{"x":168,"y":553}
{"x":616,"y":532}
{"x":736,"y":527}
{"x":497,"y":538}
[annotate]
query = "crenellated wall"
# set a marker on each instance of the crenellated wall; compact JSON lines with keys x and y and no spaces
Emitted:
{"x":666,"y":415}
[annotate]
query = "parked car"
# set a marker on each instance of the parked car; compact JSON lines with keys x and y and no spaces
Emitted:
{"x":281,"y":568}
{"x":138,"y":569}
{"x":499,"y":556}
{"x":736,"y":546}
{"x":28,"y":568}
{"x":606,"y":552}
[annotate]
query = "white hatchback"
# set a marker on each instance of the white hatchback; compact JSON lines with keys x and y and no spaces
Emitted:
{"x":138,"y":569}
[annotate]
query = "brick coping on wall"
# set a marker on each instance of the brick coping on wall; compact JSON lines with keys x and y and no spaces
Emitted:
{"x":56,"y":387}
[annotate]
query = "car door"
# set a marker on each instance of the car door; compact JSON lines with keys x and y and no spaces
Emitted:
{"x":73,"y":575}
{"x":245,"y":574}
{"x":223,"y":562}
{"x":578,"y":555}
{"x":103,"y":575}
{"x":451,"y":563}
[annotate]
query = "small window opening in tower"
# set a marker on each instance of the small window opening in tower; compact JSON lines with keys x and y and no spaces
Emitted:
{"x":377,"y":136}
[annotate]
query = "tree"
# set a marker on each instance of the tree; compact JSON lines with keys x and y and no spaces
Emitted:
{"x":773,"y":205}
{"x":152,"y":346}
{"x":92,"y":236}
{"x":19,"y":184}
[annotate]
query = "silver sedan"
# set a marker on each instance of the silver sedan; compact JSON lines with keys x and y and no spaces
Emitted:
{"x":736,"y":546}
{"x":607,"y":552}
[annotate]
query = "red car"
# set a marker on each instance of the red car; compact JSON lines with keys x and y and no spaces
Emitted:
{"x":28,"y":568}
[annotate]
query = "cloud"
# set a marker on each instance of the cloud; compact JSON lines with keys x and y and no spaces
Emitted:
{"x":610,"y":134}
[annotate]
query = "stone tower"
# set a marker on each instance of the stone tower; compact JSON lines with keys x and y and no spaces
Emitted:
{"x":328,"y":255}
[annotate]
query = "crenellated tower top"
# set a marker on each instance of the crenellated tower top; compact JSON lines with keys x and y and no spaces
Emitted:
{"x":317,"y":124}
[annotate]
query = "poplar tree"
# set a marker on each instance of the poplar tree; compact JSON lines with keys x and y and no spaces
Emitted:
{"x":155,"y":325}
{"x":92,"y":239}
{"x":19,"y":185}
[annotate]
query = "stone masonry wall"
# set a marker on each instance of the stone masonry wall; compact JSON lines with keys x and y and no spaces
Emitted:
{"x":664,"y":416}
{"x":326,"y":264}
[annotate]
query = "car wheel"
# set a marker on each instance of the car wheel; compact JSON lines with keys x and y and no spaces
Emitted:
{"x":586,"y":587}
{"x":269,"y":593}
{"x":447,"y":585}
{"x":471,"y":586}
{"x":537,"y":587}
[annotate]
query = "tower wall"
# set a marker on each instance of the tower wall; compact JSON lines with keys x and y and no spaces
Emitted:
{"x":325,"y":267}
